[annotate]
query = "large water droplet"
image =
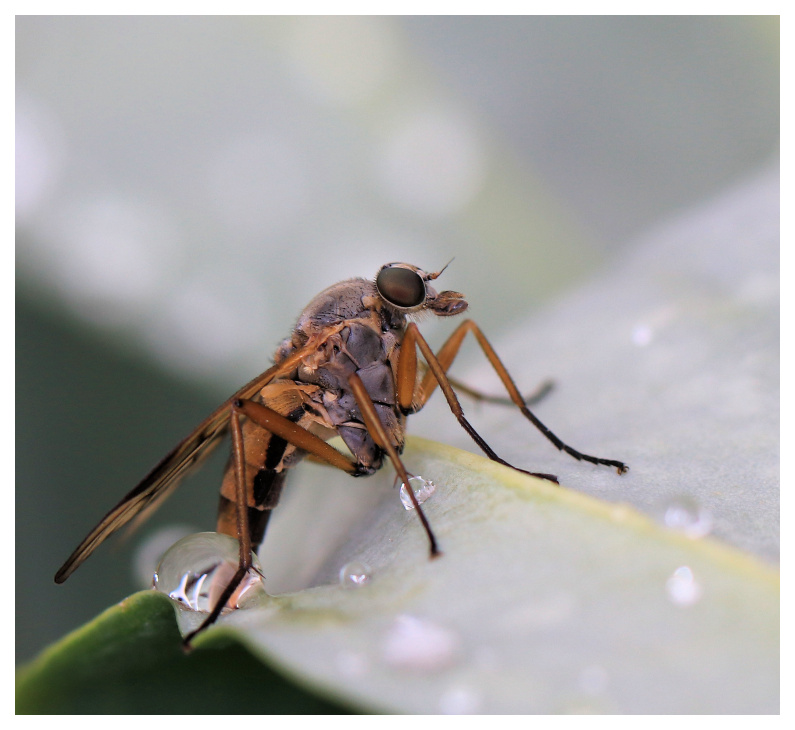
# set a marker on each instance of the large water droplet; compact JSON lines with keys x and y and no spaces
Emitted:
{"x":682,"y":587}
{"x":423,"y":488}
{"x":196,"y":570}
{"x":683,"y":513}
{"x":355,"y":574}
{"x":153,"y":547}
{"x":419,"y":644}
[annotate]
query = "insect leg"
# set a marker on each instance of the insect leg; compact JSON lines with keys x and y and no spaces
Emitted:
{"x":280,"y":426}
{"x":406,"y":378}
{"x":376,"y":430}
{"x":243,"y":535}
{"x":530,"y":399}
{"x":446,"y":356}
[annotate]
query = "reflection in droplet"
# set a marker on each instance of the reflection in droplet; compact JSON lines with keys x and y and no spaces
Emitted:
{"x":682,"y":587}
{"x":423,"y":488}
{"x":419,"y":644}
{"x":685,"y":514}
{"x":197,"y":569}
{"x":355,"y":574}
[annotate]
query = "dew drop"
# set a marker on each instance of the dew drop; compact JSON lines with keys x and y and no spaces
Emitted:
{"x":419,"y":644}
{"x":683,"y":513}
{"x":682,"y":587}
{"x":355,"y":575}
{"x":152,"y":549}
{"x":423,"y":488}
{"x":195,"y":571}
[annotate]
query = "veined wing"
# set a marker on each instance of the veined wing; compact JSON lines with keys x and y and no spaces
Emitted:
{"x":166,"y":476}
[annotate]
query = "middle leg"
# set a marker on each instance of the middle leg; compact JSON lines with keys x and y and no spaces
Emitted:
{"x":411,"y":401}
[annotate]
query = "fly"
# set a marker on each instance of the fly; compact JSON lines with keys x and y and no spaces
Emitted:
{"x":349,"y":369}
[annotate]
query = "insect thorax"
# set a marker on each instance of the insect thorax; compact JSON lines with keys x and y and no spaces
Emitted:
{"x":355,"y":333}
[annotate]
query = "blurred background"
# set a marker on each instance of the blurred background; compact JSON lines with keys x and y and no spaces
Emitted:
{"x":184,"y":186}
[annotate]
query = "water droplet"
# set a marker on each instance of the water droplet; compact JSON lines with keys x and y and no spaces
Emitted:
{"x":355,"y":574}
{"x":152,"y":549}
{"x":418,"y":644}
{"x":682,"y":587}
{"x":683,"y":513}
{"x":423,"y":488}
{"x":459,"y":701}
{"x":196,"y":570}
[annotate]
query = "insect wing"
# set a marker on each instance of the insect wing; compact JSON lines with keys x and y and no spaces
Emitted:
{"x":165,"y":477}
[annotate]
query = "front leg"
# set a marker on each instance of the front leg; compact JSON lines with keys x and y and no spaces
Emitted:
{"x":378,"y":433}
{"x":436,"y":375}
{"x":406,"y":379}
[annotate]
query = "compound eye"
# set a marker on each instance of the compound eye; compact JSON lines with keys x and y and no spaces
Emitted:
{"x":401,"y":287}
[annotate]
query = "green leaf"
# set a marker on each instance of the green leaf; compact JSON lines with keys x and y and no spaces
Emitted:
{"x":128,"y":660}
{"x":547,"y":600}
{"x":544,"y":601}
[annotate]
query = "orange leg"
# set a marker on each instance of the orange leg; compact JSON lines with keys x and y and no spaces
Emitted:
{"x":243,"y":536}
{"x":286,"y":429}
{"x":436,"y":376}
{"x":376,"y":430}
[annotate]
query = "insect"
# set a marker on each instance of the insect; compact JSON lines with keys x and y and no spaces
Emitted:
{"x":350,"y":369}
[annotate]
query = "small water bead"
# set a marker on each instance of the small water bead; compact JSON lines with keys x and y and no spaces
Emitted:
{"x":683,"y":513}
{"x":682,"y":587}
{"x":419,"y":644}
{"x":422,"y":488}
{"x":196,"y":570}
{"x":355,"y":574}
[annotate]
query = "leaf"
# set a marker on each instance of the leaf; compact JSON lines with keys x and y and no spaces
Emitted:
{"x":544,"y":601}
{"x":548,"y":600}
{"x":128,"y":660}
{"x":557,"y":603}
